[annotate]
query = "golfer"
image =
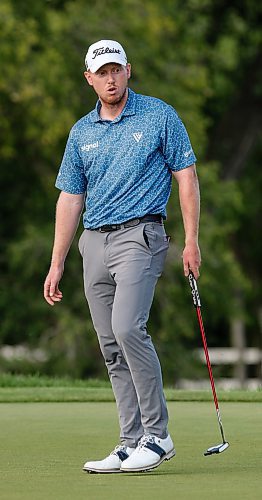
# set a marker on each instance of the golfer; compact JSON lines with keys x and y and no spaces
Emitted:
{"x":118,"y":163}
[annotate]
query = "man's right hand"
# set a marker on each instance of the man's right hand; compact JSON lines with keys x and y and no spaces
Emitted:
{"x":52,"y":294}
{"x":68,"y":211}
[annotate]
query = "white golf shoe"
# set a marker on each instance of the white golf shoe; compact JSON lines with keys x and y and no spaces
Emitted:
{"x":112,"y":463}
{"x":150,"y":453}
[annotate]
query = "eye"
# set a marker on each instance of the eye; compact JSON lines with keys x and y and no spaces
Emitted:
{"x":102,"y":72}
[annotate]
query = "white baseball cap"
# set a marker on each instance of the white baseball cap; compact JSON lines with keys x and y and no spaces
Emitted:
{"x":104,"y":52}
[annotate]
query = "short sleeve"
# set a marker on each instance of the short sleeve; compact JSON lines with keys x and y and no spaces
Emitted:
{"x":71,"y":177}
{"x":177,"y":148}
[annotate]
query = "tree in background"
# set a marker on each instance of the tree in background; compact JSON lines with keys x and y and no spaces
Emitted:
{"x":201,"y":57}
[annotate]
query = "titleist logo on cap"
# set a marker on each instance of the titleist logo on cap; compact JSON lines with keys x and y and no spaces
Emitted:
{"x":104,"y":50}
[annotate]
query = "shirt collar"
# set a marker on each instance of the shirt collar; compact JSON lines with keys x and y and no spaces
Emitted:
{"x":129,"y":109}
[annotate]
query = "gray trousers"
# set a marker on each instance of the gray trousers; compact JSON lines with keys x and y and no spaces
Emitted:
{"x":121,"y":269}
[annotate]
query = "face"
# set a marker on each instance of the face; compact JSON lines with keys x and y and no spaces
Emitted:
{"x":110,"y":82}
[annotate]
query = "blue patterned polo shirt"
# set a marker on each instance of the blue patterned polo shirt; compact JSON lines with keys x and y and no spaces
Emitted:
{"x":124,"y":166}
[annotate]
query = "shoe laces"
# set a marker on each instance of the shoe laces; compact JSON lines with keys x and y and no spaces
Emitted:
{"x":119,"y":447}
{"x":147,"y":438}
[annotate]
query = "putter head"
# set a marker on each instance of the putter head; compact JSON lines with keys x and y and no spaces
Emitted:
{"x":216,"y":449}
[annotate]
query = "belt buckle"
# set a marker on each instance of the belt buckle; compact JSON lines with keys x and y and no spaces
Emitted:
{"x":107,"y":228}
{"x":132,"y":223}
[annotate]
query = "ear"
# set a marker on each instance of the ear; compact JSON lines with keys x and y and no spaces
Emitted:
{"x":128,"y":68}
{"x":88,"y":77}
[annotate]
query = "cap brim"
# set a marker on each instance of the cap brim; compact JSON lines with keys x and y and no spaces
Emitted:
{"x":107,"y":59}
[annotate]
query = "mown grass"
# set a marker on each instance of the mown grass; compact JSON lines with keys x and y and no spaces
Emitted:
{"x":43,"y":448}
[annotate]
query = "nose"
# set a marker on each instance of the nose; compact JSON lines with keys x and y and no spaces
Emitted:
{"x":111,"y":77}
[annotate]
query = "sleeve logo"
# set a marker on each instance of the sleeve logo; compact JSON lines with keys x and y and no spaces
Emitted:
{"x":187,"y":153}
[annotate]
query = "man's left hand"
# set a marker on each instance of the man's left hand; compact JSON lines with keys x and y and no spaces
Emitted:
{"x":191,"y":259}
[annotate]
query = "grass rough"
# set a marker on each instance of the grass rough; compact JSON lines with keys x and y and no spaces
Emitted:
{"x":26,"y":389}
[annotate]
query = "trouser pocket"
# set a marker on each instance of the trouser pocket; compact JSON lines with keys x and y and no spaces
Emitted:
{"x":81,"y":242}
{"x":155,"y":237}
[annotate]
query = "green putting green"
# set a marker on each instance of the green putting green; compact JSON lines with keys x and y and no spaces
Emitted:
{"x":44,"y":445}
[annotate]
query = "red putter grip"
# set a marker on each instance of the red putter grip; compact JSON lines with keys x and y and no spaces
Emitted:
{"x":194,"y":289}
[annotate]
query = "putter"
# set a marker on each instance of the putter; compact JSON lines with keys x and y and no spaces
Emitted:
{"x":219,"y":448}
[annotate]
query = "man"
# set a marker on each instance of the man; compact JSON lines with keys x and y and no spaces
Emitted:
{"x":119,"y":160}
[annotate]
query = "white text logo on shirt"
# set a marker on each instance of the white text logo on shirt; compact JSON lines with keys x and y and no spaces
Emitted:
{"x":87,"y":147}
{"x":137,"y":136}
{"x":187,"y":153}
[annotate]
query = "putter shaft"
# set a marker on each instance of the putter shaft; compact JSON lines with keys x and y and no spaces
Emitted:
{"x":197,"y":304}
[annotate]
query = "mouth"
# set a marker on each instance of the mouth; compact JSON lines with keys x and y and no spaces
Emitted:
{"x":112,"y":90}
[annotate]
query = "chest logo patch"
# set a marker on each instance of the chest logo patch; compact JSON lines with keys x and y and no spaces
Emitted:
{"x":137,"y":136}
{"x":87,"y":147}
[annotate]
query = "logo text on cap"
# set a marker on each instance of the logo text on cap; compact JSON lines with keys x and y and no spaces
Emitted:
{"x":105,"y":50}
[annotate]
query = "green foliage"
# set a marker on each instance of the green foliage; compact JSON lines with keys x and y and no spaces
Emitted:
{"x":196,"y":55}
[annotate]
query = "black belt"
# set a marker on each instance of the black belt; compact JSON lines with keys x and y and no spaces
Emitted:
{"x":131,"y":223}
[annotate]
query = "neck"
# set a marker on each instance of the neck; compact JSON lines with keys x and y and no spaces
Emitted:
{"x":110,"y":111}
